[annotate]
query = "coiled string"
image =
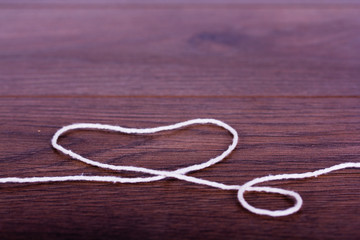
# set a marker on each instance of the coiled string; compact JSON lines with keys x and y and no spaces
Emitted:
{"x":181,"y":172}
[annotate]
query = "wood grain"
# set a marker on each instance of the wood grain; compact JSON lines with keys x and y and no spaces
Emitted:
{"x":285,"y":75}
{"x":276,"y":135}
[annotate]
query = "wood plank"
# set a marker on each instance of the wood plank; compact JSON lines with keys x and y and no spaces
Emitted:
{"x":231,"y":51}
{"x":277,"y":135}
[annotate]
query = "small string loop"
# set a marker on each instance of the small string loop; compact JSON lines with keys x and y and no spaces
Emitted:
{"x":272,"y":213}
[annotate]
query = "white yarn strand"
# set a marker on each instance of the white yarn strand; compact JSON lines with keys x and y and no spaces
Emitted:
{"x":181,"y":172}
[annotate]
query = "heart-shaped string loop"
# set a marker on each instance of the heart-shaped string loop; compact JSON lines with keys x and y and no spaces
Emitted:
{"x":159,"y":174}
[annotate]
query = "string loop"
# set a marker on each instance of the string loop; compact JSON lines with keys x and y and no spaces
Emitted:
{"x":181,"y":172}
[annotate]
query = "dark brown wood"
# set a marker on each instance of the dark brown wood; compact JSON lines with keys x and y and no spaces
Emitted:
{"x":285,"y":76}
{"x":277,"y":135}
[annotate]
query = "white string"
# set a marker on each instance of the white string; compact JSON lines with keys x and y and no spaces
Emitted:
{"x":181,"y":172}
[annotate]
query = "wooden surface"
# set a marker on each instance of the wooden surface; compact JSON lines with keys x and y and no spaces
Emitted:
{"x":285,"y":75}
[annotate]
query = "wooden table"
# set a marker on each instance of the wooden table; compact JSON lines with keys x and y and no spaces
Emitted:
{"x":285,"y":75}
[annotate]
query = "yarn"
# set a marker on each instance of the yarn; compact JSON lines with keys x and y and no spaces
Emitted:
{"x":181,"y":172}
